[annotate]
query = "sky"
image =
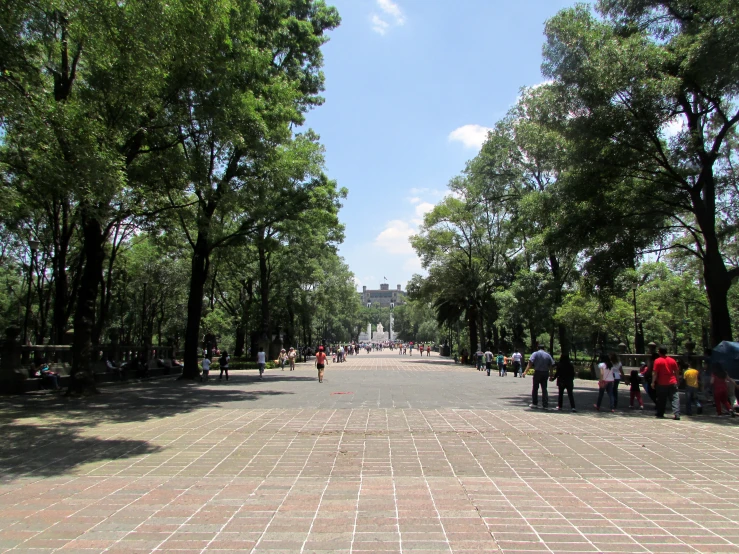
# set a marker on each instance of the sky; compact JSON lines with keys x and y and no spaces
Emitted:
{"x":411,"y":88}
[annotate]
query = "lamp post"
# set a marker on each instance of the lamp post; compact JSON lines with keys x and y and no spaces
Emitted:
{"x":33,"y":245}
{"x":638,"y":340}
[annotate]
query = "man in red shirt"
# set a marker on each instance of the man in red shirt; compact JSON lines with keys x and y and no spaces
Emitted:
{"x":664,"y":380}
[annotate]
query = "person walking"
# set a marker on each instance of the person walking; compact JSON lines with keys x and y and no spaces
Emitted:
{"x":541,"y":362}
{"x":223,"y":363}
{"x":320,"y":363}
{"x":500,"y":360}
{"x":692,"y":389}
{"x":291,"y":355}
{"x":428,"y":350}
{"x":565,"y":375}
{"x":617,"y":369}
{"x":488,"y":361}
{"x":605,"y":383}
{"x":634,"y":390}
{"x":517,"y":358}
{"x":479,"y":359}
{"x":282,"y":359}
{"x":664,"y":381}
{"x":261,"y":362}
{"x":206,"y":369}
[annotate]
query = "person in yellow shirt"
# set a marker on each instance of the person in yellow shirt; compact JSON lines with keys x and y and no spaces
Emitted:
{"x":692,"y":386}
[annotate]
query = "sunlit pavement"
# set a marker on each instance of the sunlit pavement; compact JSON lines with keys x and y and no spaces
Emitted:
{"x":390,"y":454}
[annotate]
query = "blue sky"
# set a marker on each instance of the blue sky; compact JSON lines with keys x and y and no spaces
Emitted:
{"x":411,"y":86}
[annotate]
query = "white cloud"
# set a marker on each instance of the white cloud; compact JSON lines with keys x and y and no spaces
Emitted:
{"x":472,"y":136}
{"x":394,"y":238}
{"x":357,"y":282}
{"x":423,"y":208}
{"x":413,"y":264}
{"x":414,"y":200}
{"x":379,"y":25}
{"x":392,"y":16}
{"x":392,"y":9}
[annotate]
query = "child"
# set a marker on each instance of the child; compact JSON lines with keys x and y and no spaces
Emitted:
{"x":206,"y":370}
{"x":635,"y":392}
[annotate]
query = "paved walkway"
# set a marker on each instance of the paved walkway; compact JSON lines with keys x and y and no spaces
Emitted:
{"x":390,"y":454}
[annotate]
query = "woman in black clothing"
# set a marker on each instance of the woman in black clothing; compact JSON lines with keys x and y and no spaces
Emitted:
{"x":565,"y":376}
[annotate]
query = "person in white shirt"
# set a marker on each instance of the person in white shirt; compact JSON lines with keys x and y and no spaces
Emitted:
{"x":261,"y":362}
{"x":517,"y":357}
{"x":206,"y":370}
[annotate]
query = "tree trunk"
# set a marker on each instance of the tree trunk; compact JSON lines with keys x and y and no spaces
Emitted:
{"x":61,"y":283}
{"x":532,"y":336}
{"x":264,"y":328}
{"x":82,"y":377}
{"x":717,"y":277}
{"x":564,"y":343}
{"x":472,"y":322}
{"x":718,"y":282}
{"x":198,"y":277}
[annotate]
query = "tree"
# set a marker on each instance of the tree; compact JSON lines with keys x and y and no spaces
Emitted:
{"x":626,"y":80}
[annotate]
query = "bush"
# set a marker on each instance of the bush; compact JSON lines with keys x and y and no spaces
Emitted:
{"x":584,"y":373}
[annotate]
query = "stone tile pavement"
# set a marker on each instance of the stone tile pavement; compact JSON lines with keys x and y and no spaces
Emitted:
{"x":390,"y":454}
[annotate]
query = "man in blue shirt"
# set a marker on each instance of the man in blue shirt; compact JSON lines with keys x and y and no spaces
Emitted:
{"x":542,"y":362}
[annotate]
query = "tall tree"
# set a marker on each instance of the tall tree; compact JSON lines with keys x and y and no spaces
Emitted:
{"x":649,"y":92}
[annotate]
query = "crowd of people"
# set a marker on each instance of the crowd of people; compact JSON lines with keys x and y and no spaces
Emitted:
{"x":660,"y":378}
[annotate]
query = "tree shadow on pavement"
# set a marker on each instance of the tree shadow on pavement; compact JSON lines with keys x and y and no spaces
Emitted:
{"x":44,"y":450}
{"x":47,"y":435}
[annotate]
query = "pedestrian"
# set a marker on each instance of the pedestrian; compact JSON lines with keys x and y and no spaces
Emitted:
{"x":282,"y":358}
{"x":320,"y":363}
{"x":617,"y":369}
{"x":500,"y":359}
{"x":291,"y":355}
{"x":517,"y":357}
{"x":635,"y":392}
{"x":605,"y":383}
{"x":565,"y":375}
{"x":692,"y":388}
{"x":541,"y":362}
{"x":479,"y":359}
{"x":206,"y":369}
{"x":488,"y":361}
{"x":223,"y":363}
{"x":261,"y":362}
{"x":428,"y":350}
{"x":664,"y":381}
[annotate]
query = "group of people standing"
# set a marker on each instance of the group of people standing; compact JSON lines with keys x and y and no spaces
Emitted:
{"x":485,"y":362}
{"x":660,"y":379}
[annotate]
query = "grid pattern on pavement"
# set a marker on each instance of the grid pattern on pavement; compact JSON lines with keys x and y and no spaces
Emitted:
{"x":244,"y":476}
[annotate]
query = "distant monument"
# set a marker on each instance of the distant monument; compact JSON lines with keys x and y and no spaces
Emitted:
{"x":380,"y":335}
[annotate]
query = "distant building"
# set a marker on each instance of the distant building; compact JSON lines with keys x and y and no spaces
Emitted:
{"x":383,"y":297}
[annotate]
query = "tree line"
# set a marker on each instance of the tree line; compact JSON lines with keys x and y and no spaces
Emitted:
{"x":154,"y":178}
{"x":604,"y":205}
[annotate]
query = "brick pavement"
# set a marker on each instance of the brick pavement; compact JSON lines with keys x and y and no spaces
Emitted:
{"x":390,"y":454}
